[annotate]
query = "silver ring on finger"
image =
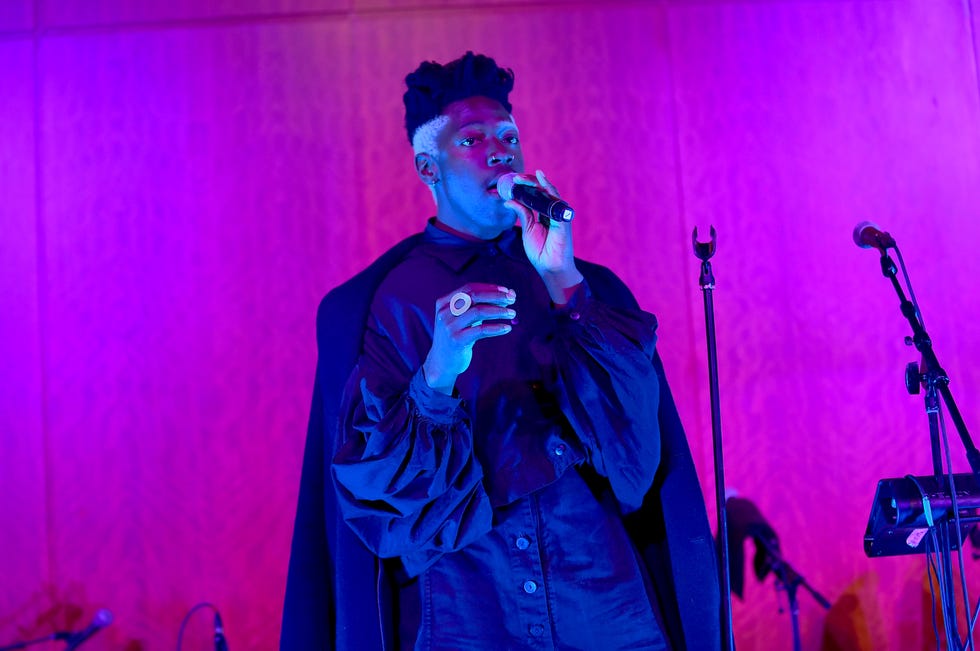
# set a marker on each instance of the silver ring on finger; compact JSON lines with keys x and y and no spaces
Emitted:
{"x":459,"y":303}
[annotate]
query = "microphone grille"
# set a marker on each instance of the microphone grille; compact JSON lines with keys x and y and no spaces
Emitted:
{"x":859,"y":229}
{"x":103,"y":617}
{"x":505,"y":186}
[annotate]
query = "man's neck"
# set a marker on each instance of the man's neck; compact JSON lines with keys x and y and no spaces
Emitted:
{"x":460,"y":234}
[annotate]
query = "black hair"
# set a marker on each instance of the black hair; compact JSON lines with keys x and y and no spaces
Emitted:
{"x":432,"y":87}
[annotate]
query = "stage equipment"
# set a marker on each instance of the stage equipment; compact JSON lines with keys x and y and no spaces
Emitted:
{"x":925,"y":514}
{"x":745,"y":521}
{"x":220,"y":643}
{"x":102,"y":619}
{"x":75,"y":639}
{"x":704,"y":251}
{"x":905,"y":508}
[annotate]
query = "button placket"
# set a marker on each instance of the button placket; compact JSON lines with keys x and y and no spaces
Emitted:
{"x":529,"y":590}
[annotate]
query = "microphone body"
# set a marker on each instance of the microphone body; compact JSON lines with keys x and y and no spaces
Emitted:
{"x":102,"y":619}
{"x":534,"y":198}
{"x":867,"y":235}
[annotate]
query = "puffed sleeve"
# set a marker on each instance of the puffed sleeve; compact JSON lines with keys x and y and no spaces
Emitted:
{"x":406,"y":477}
{"x":608,"y":389}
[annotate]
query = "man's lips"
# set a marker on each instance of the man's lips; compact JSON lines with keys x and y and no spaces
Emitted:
{"x":503,"y":172}
{"x":492,"y":185}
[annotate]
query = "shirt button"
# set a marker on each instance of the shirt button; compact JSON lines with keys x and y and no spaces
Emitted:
{"x":560,"y":450}
{"x":522,"y":542}
{"x":530,"y":587}
{"x":574,"y":316}
{"x":536,"y":630}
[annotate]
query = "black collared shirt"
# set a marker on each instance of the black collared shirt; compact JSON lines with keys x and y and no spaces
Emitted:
{"x":504,"y":499}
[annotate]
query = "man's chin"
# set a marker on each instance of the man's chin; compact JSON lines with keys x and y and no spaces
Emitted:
{"x":505,"y":215}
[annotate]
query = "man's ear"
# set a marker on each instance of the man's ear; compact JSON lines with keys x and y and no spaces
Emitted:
{"x":427,"y":168}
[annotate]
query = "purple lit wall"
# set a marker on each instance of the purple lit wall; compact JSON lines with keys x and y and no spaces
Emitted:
{"x":181,"y":181}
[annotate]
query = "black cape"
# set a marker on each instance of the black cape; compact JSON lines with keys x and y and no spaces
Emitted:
{"x":339,"y":596}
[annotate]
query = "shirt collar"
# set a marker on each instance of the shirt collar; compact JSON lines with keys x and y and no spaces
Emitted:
{"x":457,"y":252}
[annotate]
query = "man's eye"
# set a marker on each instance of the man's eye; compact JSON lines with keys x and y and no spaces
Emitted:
{"x":512,"y":140}
{"x":468,"y":142}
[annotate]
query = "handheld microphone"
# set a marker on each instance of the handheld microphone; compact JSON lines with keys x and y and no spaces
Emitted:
{"x":867,"y":235}
{"x":102,"y":619}
{"x":534,"y":198}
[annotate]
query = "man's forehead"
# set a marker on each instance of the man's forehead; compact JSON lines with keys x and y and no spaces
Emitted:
{"x":478,"y":110}
{"x":507,"y":123}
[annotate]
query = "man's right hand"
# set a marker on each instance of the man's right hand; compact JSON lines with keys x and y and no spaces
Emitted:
{"x":453,"y":335}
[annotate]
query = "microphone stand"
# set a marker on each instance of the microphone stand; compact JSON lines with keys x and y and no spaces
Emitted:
{"x":26,"y":643}
{"x":60,"y":635}
{"x":791,"y":580}
{"x":704,"y":251}
{"x":935,"y":379}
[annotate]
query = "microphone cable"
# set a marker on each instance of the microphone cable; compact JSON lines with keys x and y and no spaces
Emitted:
{"x":220,"y":644}
{"x":971,"y":622}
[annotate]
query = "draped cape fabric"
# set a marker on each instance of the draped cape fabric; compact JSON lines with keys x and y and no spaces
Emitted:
{"x":340,"y":596}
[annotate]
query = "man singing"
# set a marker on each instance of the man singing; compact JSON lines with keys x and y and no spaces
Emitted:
{"x":494,"y":458}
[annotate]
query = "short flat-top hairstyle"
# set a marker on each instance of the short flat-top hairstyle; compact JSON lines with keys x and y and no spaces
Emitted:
{"x":433,"y":87}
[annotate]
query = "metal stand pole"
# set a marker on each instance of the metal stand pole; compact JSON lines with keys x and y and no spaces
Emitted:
{"x":704,"y":251}
{"x":935,"y":380}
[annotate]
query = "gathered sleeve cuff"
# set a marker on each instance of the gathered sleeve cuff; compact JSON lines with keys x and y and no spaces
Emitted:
{"x":407,"y":480}
{"x":608,"y":389}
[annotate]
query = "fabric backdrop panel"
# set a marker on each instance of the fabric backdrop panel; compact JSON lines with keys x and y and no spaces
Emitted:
{"x":23,"y":449}
{"x":64,"y":13}
{"x":16,"y":15}
{"x":192,"y":220}
{"x":207,"y":171}
{"x":425,"y":6}
{"x":797,"y":121}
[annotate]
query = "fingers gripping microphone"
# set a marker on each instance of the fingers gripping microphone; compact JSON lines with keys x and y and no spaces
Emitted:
{"x":102,"y":619}
{"x":534,"y":198}
{"x":867,"y":235}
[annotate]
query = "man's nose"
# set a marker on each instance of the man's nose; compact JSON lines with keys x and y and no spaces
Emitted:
{"x":499,"y":155}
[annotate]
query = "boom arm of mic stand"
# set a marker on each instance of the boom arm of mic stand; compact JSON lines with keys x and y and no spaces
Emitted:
{"x":924,"y":345}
